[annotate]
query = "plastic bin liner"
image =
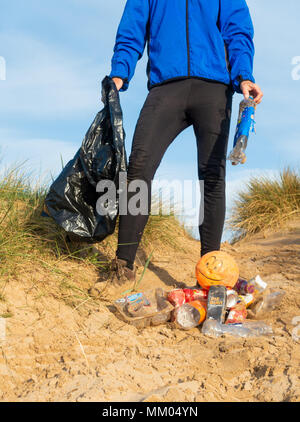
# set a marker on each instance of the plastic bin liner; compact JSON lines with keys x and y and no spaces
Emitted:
{"x":71,"y":200}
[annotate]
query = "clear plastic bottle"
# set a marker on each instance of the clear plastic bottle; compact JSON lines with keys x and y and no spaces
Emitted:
{"x":190,"y":315}
{"x":258,"y":328}
{"x":213,"y":328}
{"x":244,"y":125}
{"x":247,"y":329}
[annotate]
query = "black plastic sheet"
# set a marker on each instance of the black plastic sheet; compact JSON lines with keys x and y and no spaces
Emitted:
{"x":71,"y":200}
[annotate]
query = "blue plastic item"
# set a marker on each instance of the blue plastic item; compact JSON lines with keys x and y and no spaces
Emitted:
{"x":245,"y":125}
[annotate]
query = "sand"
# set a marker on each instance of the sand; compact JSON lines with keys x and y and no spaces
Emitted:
{"x":53,"y":352}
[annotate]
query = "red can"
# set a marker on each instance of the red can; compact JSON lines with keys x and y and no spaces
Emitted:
{"x":176,"y":297}
{"x":195,"y":294}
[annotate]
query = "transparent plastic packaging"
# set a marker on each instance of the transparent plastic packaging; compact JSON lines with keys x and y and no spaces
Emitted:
{"x":257,"y":285}
{"x":145,"y":309}
{"x":247,"y":329}
{"x":245,"y":124}
{"x":268,"y":303}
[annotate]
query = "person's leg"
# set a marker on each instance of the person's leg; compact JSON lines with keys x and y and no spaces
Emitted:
{"x":210,"y":109}
{"x":161,"y":119}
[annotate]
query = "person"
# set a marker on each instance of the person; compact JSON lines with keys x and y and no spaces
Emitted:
{"x":199,"y":53}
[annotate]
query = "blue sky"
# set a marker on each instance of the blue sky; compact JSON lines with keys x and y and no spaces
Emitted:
{"x":58,"y":52}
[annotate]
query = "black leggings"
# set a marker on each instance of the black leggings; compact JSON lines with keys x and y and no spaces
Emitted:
{"x":168,"y":110}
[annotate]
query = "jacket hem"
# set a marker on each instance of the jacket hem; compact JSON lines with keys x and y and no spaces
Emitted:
{"x":177,"y":78}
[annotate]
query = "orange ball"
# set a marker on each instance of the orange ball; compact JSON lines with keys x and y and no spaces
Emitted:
{"x":215,"y":268}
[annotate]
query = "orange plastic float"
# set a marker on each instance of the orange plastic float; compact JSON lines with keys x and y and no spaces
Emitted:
{"x":217,"y":268}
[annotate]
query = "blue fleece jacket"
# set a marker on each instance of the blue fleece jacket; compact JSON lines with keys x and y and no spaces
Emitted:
{"x":210,"y":39}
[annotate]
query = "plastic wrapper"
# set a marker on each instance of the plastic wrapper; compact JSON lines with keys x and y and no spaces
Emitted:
{"x":72,"y":198}
{"x":144,"y":309}
{"x":237,"y":314}
{"x":247,"y":329}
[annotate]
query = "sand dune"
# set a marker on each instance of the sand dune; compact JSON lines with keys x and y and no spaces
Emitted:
{"x":55,"y":353}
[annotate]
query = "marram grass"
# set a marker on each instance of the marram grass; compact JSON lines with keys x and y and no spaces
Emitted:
{"x":29,"y":242}
{"x":266,"y":204}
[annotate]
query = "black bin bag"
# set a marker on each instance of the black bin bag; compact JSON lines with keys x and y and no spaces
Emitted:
{"x":71,"y":200}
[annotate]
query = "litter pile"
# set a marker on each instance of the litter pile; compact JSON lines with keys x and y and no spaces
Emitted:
{"x":222,"y":301}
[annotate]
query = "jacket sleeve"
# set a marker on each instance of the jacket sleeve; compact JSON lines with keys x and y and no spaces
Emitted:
{"x":130,"y":40}
{"x":237,"y":30}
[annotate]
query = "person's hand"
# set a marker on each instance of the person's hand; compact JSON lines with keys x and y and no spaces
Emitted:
{"x":249,"y":88}
{"x":118,"y":82}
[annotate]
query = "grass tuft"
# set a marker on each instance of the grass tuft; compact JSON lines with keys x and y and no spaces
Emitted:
{"x":34,"y":249}
{"x":266,"y":203}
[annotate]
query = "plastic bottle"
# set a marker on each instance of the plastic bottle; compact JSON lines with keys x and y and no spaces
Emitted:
{"x":247,"y":329}
{"x":244,"y":125}
{"x":258,"y":328}
{"x":213,"y":328}
{"x":190,"y":315}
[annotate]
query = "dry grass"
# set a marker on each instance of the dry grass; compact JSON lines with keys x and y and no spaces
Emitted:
{"x":266,"y":204}
{"x":33,"y":244}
